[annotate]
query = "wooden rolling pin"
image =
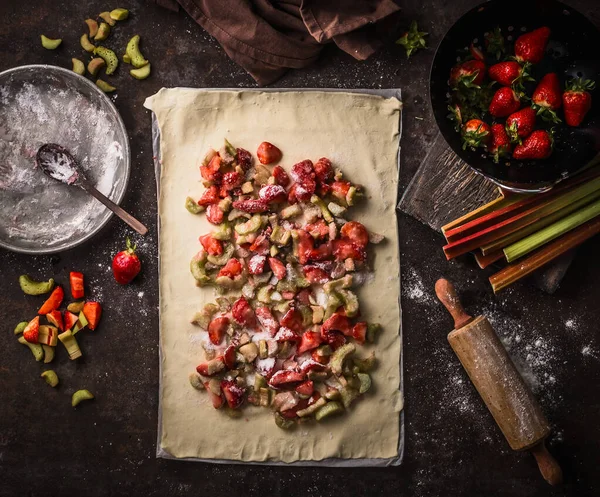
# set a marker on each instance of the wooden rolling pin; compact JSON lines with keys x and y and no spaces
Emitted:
{"x":498,"y":382}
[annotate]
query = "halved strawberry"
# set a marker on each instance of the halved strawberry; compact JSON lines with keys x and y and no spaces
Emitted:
{"x":211,"y":367}
{"x":286,"y":335}
{"x":70,"y":319}
{"x":272,"y":194}
{"x":476,"y":52}
{"x":92,"y":312}
{"x":306,"y":388}
{"x":232,"y":180}
{"x":55,"y":317}
{"x":228,"y":357}
{"x":268,"y":153}
{"x":359,"y":332}
{"x":310,"y":340}
{"x":53,"y":302}
{"x":318,"y":229}
{"x":304,"y":243}
{"x":217,"y":400}
{"x":234,"y":394}
{"x":261,"y":245}
{"x":267,"y":320}
{"x":217,"y":329}
{"x":244,"y":159}
{"x":214,"y":214}
{"x":243,"y":313}
{"x":277,"y":267}
{"x":232,"y":269}
{"x":301,"y":171}
{"x":340,"y":189}
{"x":292,"y":319}
{"x":281,"y":177}
{"x":345,"y":249}
{"x":315,"y":275}
{"x":323,"y":170}
{"x":256,"y":264}
{"x":210,"y":196}
{"x":211,"y":172}
{"x":31,"y":332}
{"x":333,"y":338}
{"x":337,"y":322}
{"x":322,"y":252}
{"x":76,"y":280}
{"x":356,"y":233}
{"x":284,"y":378}
{"x":211,"y":245}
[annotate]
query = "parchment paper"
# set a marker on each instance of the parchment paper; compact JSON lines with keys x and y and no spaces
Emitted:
{"x":360,"y":134}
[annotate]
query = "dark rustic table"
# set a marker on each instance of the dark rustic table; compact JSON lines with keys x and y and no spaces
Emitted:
{"x":452,"y":446}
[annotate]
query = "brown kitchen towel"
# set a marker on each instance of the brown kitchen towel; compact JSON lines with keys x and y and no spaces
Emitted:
{"x":268,"y":37}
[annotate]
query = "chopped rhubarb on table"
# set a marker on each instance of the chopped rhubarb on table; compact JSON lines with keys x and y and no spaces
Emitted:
{"x":53,"y":302}
{"x":76,"y":280}
{"x":285,"y":328}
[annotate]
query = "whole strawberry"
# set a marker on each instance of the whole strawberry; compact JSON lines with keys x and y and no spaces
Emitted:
{"x":530,"y":47}
{"x":469,"y":74}
{"x":475,"y":133}
{"x":501,"y":145}
{"x":538,"y":145}
{"x":577,"y":101}
{"x":504,"y":102}
{"x":547,"y":97}
{"x":520,"y":124}
{"x":509,"y":72}
{"x":126,"y":265}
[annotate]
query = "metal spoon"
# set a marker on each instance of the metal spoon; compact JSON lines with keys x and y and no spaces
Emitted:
{"x":58,"y":163}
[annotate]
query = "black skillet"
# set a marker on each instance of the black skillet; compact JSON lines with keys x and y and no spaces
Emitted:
{"x":573,"y":51}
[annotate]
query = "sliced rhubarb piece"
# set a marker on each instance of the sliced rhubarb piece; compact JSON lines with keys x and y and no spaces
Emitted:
{"x":310,"y":340}
{"x":282,"y":379}
{"x":32,"y":330}
{"x":216,"y":399}
{"x":92,"y":312}
{"x":339,"y":356}
{"x":48,"y":335}
{"x":217,"y":329}
{"x":243,"y":313}
{"x":55,"y":317}
{"x":234,"y":395}
{"x":53,"y":302}
{"x":76,"y":281}
{"x":211,"y":367}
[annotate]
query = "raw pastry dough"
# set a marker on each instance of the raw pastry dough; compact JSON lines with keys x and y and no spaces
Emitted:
{"x":359,"y":133}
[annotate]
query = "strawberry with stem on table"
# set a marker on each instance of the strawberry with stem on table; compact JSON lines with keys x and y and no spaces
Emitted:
{"x":501,"y":145}
{"x":531,"y":47}
{"x":520,"y":124}
{"x":126,"y":264}
{"x":494,"y":42}
{"x":538,"y":145}
{"x":475,"y":133}
{"x":504,"y":102}
{"x":547,"y":98}
{"x":577,"y":100}
{"x":413,"y":39}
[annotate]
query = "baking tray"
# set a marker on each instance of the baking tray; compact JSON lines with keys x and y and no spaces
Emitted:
{"x":332,"y":461}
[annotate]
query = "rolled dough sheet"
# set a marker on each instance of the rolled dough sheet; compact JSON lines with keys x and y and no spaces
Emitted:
{"x":360,"y":134}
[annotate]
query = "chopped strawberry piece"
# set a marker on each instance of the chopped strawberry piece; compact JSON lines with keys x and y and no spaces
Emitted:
{"x":31,"y":332}
{"x":266,"y":367}
{"x":323,"y":170}
{"x":251,"y":205}
{"x":76,"y":281}
{"x":232,"y":269}
{"x":315,"y":275}
{"x":53,"y":302}
{"x":310,"y":340}
{"x":345,"y":249}
{"x":211,"y":245}
{"x":359,"y":332}
{"x":256,"y":264}
{"x":210,"y":196}
{"x":214,"y":214}
{"x":55,"y":317}
{"x":340,"y":189}
{"x":313,"y":365}
{"x":217,"y":329}
{"x":260,"y":245}
{"x":303,"y":296}
{"x":272,"y":194}
{"x":243,"y":313}
{"x":212,"y":367}
{"x":322,"y":252}
{"x":70,"y":319}
{"x":292,"y":197}
{"x":319,"y":229}
{"x":281,"y":177}
{"x":211,"y":172}
{"x":244,"y":159}
{"x":268,"y":153}
{"x":305,"y":246}
{"x":277,"y":267}
{"x":284,"y":378}
{"x":232,"y":180}
{"x":288,"y":295}
{"x":292,"y":319}
{"x":302,"y":171}
{"x":338,"y":322}
{"x":286,"y":335}
{"x":234,"y":394}
{"x":304,"y":191}
{"x":333,"y":338}
{"x":356,"y":233}
{"x":267,"y":320}
{"x":321,"y":359}
{"x":307,"y":388}
{"x":293,"y":411}
{"x":92,"y":312}
{"x":229,"y":357}
{"x":217,"y":400}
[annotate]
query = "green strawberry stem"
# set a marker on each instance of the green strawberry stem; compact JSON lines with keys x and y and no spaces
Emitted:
{"x":130,"y":248}
{"x":413,"y":39}
{"x":580,"y":85}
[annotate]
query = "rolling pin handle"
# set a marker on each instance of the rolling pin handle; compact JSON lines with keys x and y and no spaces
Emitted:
{"x":548,"y":466}
{"x":446,"y":293}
